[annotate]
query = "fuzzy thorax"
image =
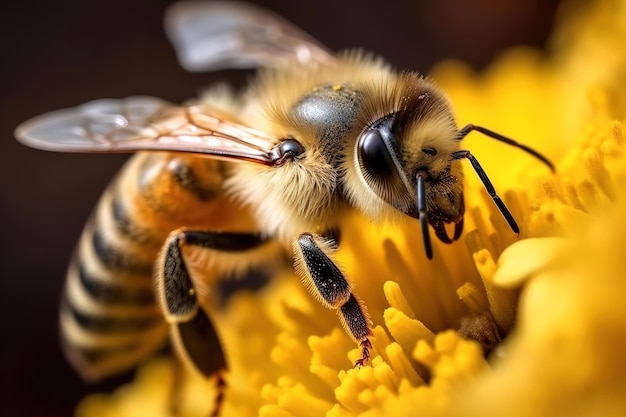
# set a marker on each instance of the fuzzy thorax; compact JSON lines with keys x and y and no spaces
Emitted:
{"x":296,"y":197}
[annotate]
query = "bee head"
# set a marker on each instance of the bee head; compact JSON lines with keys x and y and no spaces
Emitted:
{"x":404,"y":160}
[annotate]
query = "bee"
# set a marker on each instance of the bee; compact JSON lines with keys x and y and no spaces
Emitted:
{"x":232,"y":182}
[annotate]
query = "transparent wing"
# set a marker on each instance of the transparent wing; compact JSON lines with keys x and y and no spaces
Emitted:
{"x":212,"y":35}
{"x":144,"y":123}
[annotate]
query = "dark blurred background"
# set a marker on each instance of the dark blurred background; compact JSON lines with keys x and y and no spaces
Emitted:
{"x":61,"y":53}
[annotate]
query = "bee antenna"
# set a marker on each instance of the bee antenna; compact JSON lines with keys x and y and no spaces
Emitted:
{"x":423,"y":216}
{"x":490,"y":133}
{"x":490,"y":188}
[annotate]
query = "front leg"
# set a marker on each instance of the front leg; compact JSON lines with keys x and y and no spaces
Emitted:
{"x":326,"y":281}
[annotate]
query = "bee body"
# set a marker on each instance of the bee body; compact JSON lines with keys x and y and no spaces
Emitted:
{"x":110,"y":318}
{"x":235,"y":182}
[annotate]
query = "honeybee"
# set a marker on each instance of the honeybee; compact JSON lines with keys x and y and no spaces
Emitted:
{"x":233,"y":182}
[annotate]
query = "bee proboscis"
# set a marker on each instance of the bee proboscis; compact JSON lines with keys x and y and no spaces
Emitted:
{"x":234,"y":182}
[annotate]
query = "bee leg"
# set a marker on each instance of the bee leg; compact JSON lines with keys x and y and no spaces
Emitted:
{"x":326,"y":281}
{"x":178,"y":384}
{"x":193,"y":335}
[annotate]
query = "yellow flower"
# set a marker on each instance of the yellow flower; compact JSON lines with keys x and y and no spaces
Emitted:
{"x":549,"y":305}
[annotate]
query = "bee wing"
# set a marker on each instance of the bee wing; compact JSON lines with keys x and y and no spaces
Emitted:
{"x":217,"y":35}
{"x":144,"y":123}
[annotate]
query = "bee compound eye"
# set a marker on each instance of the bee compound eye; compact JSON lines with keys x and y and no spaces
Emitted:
{"x":379,"y":161}
{"x":374,"y":156}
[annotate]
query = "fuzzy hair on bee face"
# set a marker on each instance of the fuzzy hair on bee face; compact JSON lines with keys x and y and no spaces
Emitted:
{"x":424,"y":135}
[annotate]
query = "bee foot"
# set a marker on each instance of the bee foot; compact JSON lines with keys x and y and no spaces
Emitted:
{"x":366,"y":345}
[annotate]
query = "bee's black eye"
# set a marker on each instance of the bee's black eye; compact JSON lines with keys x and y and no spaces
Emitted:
{"x":379,"y":160}
{"x":374,"y":156}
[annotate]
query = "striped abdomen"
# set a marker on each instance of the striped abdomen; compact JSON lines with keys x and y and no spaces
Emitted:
{"x":110,"y":319}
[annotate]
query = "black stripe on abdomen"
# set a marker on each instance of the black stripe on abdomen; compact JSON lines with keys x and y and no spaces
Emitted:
{"x":108,"y":324}
{"x":112,"y":291}
{"x":116,"y":258}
